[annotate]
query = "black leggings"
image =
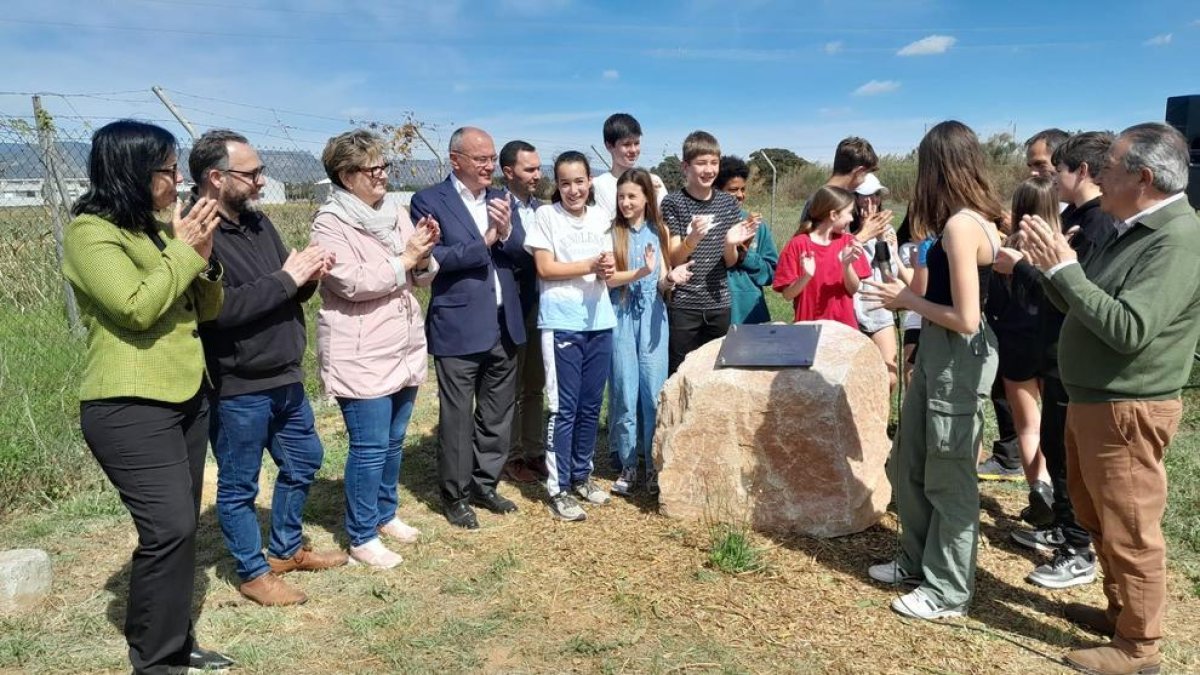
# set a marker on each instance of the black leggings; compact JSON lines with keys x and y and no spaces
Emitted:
{"x":153,"y":453}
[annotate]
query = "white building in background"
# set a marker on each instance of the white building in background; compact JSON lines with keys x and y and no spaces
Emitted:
{"x":21,"y":192}
{"x":273,"y":192}
{"x":35,"y":191}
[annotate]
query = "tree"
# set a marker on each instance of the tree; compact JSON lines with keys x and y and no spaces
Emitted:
{"x":670,"y":170}
{"x":785,"y":161}
{"x":1001,"y":147}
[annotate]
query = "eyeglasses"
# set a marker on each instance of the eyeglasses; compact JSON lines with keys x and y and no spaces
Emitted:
{"x":169,"y":170}
{"x":481,"y":160}
{"x":252,"y":175}
{"x":379,"y":170}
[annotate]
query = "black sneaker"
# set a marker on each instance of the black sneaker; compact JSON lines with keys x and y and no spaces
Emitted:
{"x":994,"y":470}
{"x":1048,"y":539}
{"x":1067,"y":569}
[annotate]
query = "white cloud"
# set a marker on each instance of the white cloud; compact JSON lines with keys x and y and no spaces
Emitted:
{"x":934,"y":44}
{"x":875,"y":87}
{"x":610,"y":74}
{"x":834,"y":47}
{"x":1159,"y":40}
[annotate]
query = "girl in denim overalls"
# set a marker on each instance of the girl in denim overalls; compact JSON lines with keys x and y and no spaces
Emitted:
{"x":639,"y":359}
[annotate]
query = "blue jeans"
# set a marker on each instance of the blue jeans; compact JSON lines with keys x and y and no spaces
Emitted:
{"x":577,"y":364}
{"x":639,"y":369}
{"x":376,"y":427}
{"x":281,"y":421}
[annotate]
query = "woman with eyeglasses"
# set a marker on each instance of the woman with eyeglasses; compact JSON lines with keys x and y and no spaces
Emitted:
{"x":143,"y":288}
{"x":371,"y":333}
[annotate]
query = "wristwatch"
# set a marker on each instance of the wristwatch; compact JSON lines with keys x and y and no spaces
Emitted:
{"x":213,"y":271}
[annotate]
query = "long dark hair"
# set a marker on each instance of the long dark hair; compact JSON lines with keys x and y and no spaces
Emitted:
{"x":121,"y":168}
{"x":573,"y":157}
{"x":951,"y":176}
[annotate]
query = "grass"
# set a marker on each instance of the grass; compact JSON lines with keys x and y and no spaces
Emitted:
{"x":627,"y":591}
{"x":732,"y":550}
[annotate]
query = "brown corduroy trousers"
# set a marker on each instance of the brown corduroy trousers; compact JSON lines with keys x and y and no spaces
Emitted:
{"x":1118,"y":486}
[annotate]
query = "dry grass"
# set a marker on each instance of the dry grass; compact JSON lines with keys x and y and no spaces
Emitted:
{"x":626,"y":591}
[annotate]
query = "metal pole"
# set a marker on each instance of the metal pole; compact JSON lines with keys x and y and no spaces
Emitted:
{"x":441,"y":162}
{"x":56,"y":194}
{"x":601,"y":158}
{"x":774,"y":180}
{"x":162,"y":96}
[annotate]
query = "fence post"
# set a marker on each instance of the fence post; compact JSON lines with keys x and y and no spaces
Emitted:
{"x":57,"y":196}
{"x":774,"y":180}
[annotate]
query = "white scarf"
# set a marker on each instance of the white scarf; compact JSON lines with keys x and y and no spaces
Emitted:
{"x":379,"y":223}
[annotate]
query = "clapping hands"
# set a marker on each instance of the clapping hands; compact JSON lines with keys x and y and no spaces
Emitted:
{"x":197,"y":227}
{"x":499,"y":219}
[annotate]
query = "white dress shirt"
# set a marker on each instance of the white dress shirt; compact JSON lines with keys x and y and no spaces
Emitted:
{"x":477,"y":207}
{"x":1124,"y":226}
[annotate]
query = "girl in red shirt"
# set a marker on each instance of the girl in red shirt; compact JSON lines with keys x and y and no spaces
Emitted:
{"x":820,"y":268}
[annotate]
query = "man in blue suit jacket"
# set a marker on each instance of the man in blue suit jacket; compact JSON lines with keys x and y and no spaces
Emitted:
{"x":474,"y":324}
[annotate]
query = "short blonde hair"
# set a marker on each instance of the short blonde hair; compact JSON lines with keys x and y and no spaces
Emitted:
{"x":350,"y":151}
{"x":700,"y":143}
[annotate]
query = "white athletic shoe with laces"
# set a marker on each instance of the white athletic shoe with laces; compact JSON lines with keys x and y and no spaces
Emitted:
{"x":919,"y":605}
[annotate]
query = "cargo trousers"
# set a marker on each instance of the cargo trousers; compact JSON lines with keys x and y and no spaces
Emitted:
{"x":933,"y":459}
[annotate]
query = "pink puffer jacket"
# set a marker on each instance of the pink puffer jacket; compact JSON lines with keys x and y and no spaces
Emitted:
{"x":370,"y":330}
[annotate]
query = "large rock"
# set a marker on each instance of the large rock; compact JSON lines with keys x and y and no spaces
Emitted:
{"x":24,"y":578}
{"x":793,"y":450}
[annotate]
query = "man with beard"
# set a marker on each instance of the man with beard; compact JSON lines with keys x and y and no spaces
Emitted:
{"x":254,"y":350}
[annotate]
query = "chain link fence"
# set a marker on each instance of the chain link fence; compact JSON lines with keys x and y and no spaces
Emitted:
{"x":43,"y":170}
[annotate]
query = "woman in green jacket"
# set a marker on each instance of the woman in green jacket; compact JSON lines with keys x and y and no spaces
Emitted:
{"x":142,"y":290}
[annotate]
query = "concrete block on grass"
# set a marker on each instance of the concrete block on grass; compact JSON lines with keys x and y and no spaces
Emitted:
{"x":25,"y":575}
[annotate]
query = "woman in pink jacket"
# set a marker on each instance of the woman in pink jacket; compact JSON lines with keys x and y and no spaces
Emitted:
{"x":371,"y":334}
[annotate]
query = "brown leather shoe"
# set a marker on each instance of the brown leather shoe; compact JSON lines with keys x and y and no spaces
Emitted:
{"x":1092,"y":618}
{"x":308,"y":560}
{"x":517,"y":471}
{"x":1108,"y":660}
{"x":271,"y":591}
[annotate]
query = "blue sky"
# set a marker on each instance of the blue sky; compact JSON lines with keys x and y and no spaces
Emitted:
{"x":799,"y":75}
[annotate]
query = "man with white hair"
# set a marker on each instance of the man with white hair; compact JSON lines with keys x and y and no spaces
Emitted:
{"x":1125,"y":352}
{"x":475,"y":325}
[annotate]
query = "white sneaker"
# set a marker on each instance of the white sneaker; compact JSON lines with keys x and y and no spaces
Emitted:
{"x":891,"y":573}
{"x":564,"y":507}
{"x":918,"y":605}
{"x":375,"y":554}
{"x":590,"y":493}
{"x":625,"y":483}
{"x":400,"y":531}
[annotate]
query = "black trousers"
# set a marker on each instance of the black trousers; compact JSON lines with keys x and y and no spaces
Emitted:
{"x":475,"y":413}
{"x":153,"y":453}
{"x":1054,"y":448}
{"x":692,"y":329}
{"x":1005,"y":449}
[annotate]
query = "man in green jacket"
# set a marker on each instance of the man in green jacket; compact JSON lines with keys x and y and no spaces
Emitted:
{"x":1125,"y":352}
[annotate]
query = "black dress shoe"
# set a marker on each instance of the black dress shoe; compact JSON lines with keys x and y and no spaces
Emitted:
{"x":460,"y":515}
{"x":206,"y":659}
{"x":492,"y":501}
